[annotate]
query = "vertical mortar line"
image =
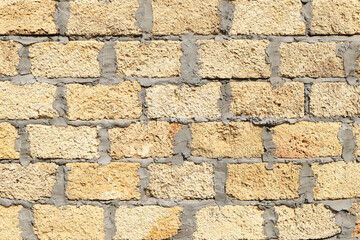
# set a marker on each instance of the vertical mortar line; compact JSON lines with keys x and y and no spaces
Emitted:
{"x":58,"y":192}
{"x":181,"y":150}
{"x":144,"y":18}
{"x":307,"y":183}
{"x":61,"y":16}
{"x":60,"y":105}
{"x":350,"y":56}
{"x":144,"y":175}
{"x":109,"y":221}
{"x":188,"y":221}
{"x":346,"y":137}
{"x":307,"y":91}
{"x":142,"y":98}
{"x":273,"y":58}
{"x":224,"y":103}
{"x":306,"y":13}
{"x":104,"y":146}
{"x":24,"y":146}
{"x":26,"y":221}
{"x":270,"y":218}
{"x":269,"y":154}
{"x":189,"y":59}
{"x":107,"y":61}
{"x":226,"y":11}
{"x":23,"y":67}
{"x":347,"y":222}
{"x":220,"y":177}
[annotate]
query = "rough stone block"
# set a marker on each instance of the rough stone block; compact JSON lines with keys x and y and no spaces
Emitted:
{"x":9,"y":222}
{"x":356,"y":210}
{"x":9,"y":57}
{"x":8,"y":136}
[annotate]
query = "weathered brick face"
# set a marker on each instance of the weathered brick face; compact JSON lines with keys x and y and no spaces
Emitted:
{"x":179,"y":119}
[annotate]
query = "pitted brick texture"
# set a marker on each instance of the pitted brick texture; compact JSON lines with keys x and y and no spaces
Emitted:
{"x":8,"y":136}
{"x":9,"y":57}
{"x":356,"y":210}
{"x":9,"y":222}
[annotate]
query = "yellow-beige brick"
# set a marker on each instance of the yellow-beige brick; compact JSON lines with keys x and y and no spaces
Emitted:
{"x":187,"y":181}
{"x":334,"y":99}
{"x":357,"y":66}
{"x":335,"y":17}
{"x":336,"y":180}
{"x":33,"y":182}
{"x":356,"y":210}
{"x":91,"y":181}
{"x":307,"y":140}
{"x":176,"y":17}
{"x":97,"y":17}
{"x":233,"y":59}
{"x":261,"y":99}
{"x":156,"y":59}
{"x":63,"y":142}
{"x":29,"y":101}
{"x":69,"y":222}
{"x":9,"y":221}
{"x":9,"y":57}
{"x":8,"y":136}
{"x":118,"y":101}
{"x":229,"y":222}
{"x":183,"y":101}
{"x":235,"y":140}
{"x":356,"y":132}
{"x":154,"y":139}
{"x":254,"y":182}
{"x":268,"y":17}
{"x":316,"y":60}
{"x":75,"y":59}
{"x":307,"y":222}
{"x":27,"y":17}
{"x":147,"y":222}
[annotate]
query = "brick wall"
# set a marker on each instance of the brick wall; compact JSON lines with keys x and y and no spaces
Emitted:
{"x":181,"y":119}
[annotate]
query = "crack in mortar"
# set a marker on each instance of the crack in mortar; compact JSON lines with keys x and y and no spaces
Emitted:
{"x":307,"y":183}
{"x":226,"y":9}
{"x":109,"y":221}
{"x":104,"y":146}
{"x":269,"y":154}
{"x":307,"y":91}
{"x":26,"y":221}
{"x":107,"y":61}
{"x":189,"y":59}
{"x":61,"y":16}
{"x":306,"y":14}
{"x":346,"y":137}
{"x":58,"y":193}
{"x":144,"y":17}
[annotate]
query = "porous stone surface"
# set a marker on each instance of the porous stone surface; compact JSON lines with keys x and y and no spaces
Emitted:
{"x":334,"y":99}
{"x":229,"y":222}
{"x":97,"y":17}
{"x":117,"y":101}
{"x":233,"y":59}
{"x":335,"y":17}
{"x":311,"y":221}
{"x":68,"y":222}
{"x":336,"y":180}
{"x":155,"y":59}
{"x":27,"y":17}
{"x":63,"y":142}
{"x":176,"y":17}
{"x":255,"y":182}
{"x":356,"y":132}
{"x":154,"y":139}
{"x":75,"y":59}
{"x":91,"y":181}
{"x":261,"y":99}
{"x":29,"y":101}
{"x":9,"y":57}
{"x":183,"y":101}
{"x":152,"y":222}
{"x":187,"y":181}
{"x":268,"y":17}
{"x":235,"y":140}
{"x":307,"y":140}
{"x":356,"y":210}
{"x":33,"y":182}
{"x":8,"y":136}
{"x":9,"y":222}
{"x":315,"y":60}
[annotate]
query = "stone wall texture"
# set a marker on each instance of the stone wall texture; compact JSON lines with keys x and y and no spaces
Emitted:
{"x":179,"y":119}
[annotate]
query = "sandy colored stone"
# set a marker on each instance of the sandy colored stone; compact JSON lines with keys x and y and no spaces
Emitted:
{"x":176,"y":17}
{"x":97,"y":17}
{"x":152,"y":222}
{"x":33,"y":182}
{"x":69,"y":222}
{"x":235,"y":140}
{"x":63,"y":142}
{"x":75,"y":59}
{"x":356,"y":132}
{"x":9,"y":221}
{"x":261,"y":99}
{"x":27,"y":17}
{"x":182,"y":101}
{"x":233,"y":59}
{"x":335,"y":17}
{"x":334,"y":99}
{"x":118,"y":101}
{"x":254,"y":182}
{"x":91,"y":181}
{"x":315,"y":60}
{"x":155,"y":59}
{"x":29,"y":101}
{"x":356,"y":210}
{"x":9,"y":57}
{"x":357,"y":66}
{"x":187,"y":181}
{"x":336,"y":180}
{"x":307,"y":140}
{"x":307,"y":222}
{"x":268,"y":17}
{"x":155,"y":139}
{"x":229,"y":222}
{"x":8,"y":136}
